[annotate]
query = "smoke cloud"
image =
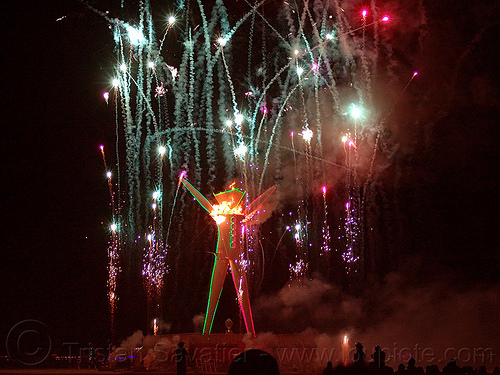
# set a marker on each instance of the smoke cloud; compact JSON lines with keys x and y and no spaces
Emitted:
{"x":133,"y":341}
{"x":198,"y":321}
{"x":432,"y":322}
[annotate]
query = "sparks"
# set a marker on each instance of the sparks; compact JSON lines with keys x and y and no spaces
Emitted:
{"x":221,"y":41}
{"x":307,"y":134}
{"x":160,"y":90}
{"x":241,"y":150}
{"x":135,"y":36}
{"x":355,"y":112}
{"x":238,"y":119}
{"x":154,"y":267}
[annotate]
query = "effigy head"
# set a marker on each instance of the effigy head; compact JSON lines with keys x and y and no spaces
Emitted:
{"x":230,"y":202}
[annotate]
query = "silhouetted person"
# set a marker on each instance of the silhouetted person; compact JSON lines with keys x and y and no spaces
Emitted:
{"x":411,"y":369}
{"x":432,"y":370}
{"x":401,"y":369}
{"x":328,"y":369}
{"x":452,"y":368}
{"x":252,"y":362}
{"x":359,"y":356}
{"x":378,"y":357}
{"x":181,"y":358}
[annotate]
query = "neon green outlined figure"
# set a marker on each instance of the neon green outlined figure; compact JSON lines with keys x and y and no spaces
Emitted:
{"x":230,"y":218}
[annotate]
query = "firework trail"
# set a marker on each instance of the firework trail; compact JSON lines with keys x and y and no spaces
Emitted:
{"x":325,"y":229}
{"x":114,"y":248}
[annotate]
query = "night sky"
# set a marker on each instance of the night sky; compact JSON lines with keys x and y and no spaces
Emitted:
{"x":55,"y":201}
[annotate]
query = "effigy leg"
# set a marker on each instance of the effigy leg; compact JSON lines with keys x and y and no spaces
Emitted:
{"x":218,"y":277}
{"x":240,"y":283}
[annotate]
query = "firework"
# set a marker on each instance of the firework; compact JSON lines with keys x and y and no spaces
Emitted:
{"x":187,"y":103}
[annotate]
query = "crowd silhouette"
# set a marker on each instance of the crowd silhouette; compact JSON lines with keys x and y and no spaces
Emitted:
{"x":377,"y":366}
{"x":258,"y":362}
